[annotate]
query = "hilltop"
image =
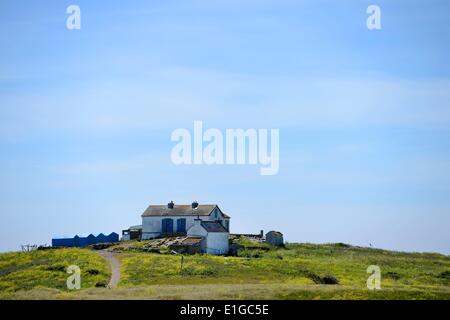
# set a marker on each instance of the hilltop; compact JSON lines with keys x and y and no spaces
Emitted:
{"x":258,"y":271}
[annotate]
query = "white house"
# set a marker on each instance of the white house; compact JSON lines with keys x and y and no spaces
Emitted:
{"x":207,"y":221}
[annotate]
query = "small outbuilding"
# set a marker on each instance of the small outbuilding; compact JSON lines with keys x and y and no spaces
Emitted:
{"x":215,"y":236}
{"x":132,"y":233}
{"x":275,"y":238}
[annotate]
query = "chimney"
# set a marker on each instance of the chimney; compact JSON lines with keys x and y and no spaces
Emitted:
{"x":194,"y":205}
{"x":170,"y":205}
{"x":262,"y":234}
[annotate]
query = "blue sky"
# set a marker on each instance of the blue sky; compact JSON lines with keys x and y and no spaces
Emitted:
{"x":364,"y":116}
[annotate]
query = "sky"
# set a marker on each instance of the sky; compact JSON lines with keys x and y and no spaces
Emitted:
{"x":86,"y":117}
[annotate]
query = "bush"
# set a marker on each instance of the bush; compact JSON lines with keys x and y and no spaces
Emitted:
{"x":100,"y":285}
{"x":56,"y":267}
{"x":152,"y":250}
{"x":392,"y":275}
{"x":311,"y":275}
{"x":250,"y":253}
{"x":45,"y":248}
{"x":329,"y":279}
{"x":101,"y":246}
{"x":190,"y":271}
{"x":445,"y":275}
{"x":93,"y":272}
{"x":342,"y":245}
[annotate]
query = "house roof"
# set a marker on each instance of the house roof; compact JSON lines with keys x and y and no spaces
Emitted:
{"x":225,"y":215}
{"x":180,"y":210}
{"x":213,"y":226}
{"x":278,"y":233}
{"x":135,"y":227}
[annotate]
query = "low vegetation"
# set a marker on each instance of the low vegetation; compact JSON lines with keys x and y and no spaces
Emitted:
{"x":296,"y":263}
{"x":256,"y":271}
{"x":23,"y":271}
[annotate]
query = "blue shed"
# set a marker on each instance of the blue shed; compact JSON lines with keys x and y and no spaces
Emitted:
{"x":102,"y":238}
{"x":63,"y":242}
{"x":84,"y":240}
{"x":112,"y":237}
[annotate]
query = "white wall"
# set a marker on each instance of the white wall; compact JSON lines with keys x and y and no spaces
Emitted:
{"x":217,"y":243}
{"x":197,"y":230}
{"x":151,"y":226}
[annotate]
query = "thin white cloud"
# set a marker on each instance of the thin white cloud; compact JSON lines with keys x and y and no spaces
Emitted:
{"x":170,"y":98}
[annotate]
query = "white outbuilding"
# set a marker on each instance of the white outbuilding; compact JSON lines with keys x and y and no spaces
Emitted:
{"x":216,"y":237}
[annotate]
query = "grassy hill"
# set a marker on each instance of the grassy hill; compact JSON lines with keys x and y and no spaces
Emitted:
{"x":25,"y":271}
{"x":260,"y":271}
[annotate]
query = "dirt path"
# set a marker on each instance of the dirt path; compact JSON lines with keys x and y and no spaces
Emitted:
{"x":114,"y":263}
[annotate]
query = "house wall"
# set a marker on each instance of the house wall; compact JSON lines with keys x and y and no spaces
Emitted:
{"x":197,"y":230}
{"x":217,"y":243}
{"x":217,"y":215}
{"x":152,"y":225}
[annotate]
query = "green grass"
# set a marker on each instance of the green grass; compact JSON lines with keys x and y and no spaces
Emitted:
{"x":259,"y":271}
{"x":297,"y":263}
{"x":22,"y":271}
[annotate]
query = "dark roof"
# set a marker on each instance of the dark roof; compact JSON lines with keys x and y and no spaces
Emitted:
{"x":212,"y":226}
{"x":278,"y":233}
{"x":180,"y":210}
{"x":83,"y":235}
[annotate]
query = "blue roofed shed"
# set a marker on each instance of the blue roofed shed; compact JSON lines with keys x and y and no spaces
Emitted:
{"x":84,"y":240}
